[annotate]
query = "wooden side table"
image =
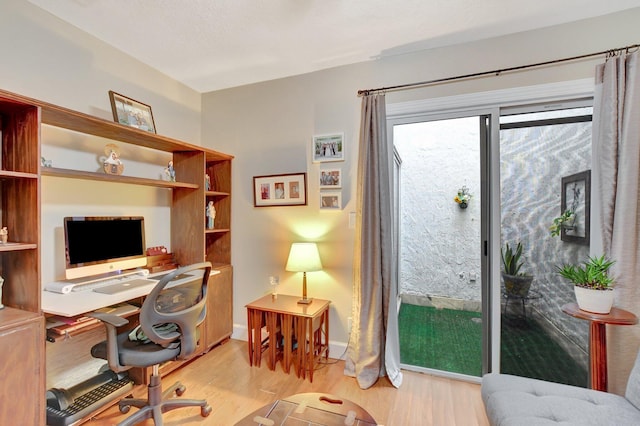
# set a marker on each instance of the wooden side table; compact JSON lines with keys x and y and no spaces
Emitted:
{"x":292,"y":317}
{"x":598,"y":338}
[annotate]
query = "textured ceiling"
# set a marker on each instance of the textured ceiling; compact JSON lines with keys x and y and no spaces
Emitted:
{"x":214,"y":44}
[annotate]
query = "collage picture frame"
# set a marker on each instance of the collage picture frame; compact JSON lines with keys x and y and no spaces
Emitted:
{"x":280,"y":190}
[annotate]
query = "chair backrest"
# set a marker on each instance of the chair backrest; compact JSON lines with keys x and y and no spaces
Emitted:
{"x":179,"y":298}
{"x":633,"y":384}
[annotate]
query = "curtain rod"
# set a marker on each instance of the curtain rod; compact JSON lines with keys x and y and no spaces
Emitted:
{"x":609,"y":53}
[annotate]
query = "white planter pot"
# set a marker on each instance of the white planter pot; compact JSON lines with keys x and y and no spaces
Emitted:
{"x":596,"y":301}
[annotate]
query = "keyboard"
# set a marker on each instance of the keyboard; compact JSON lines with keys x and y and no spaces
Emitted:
{"x":107,"y":282}
{"x":123,"y":285}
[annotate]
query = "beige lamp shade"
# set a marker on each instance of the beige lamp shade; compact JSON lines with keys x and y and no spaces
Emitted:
{"x":304,"y":257}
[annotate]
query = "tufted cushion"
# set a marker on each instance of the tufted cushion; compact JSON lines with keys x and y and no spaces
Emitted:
{"x":633,"y":384}
{"x":513,"y":401}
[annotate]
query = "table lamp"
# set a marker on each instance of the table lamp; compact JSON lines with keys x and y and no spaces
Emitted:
{"x":304,"y":257}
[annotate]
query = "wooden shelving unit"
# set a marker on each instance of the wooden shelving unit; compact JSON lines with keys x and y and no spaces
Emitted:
{"x":20,"y":185}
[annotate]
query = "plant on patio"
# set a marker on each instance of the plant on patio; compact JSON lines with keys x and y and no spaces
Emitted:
{"x":566,"y":220}
{"x":516,"y":283}
{"x":592,"y":282}
{"x":463,"y":197}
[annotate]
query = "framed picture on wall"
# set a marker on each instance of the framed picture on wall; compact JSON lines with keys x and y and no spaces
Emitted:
{"x":131,"y":112}
{"x":576,"y":197}
{"x":280,"y":190}
{"x":331,"y":200}
{"x":330,"y":179}
{"x":328,"y":148}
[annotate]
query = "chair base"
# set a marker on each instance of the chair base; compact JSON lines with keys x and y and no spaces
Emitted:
{"x":159,"y":402}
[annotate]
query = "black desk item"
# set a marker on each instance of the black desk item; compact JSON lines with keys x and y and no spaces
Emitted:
{"x":67,"y":406}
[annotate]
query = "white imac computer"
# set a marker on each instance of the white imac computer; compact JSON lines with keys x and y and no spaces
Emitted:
{"x":103,"y":245}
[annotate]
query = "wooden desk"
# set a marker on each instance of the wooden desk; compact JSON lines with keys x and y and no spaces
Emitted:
{"x":310,"y":408}
{"x":598,"y":338}
{"x":293,"y":319}
{"x":81,"y":302}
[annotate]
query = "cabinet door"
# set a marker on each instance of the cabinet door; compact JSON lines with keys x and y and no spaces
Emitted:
{"x":219,"y":307}
{"x":21,"y":374}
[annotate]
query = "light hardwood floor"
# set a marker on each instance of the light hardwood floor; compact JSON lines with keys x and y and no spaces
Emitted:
{"x":234,"y":390}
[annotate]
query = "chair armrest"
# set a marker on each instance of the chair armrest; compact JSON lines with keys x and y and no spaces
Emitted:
{"x":110,"y":319}
{"x":111,"y":322}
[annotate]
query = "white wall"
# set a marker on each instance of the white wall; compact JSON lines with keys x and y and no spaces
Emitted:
{"x":47,"y":59}
{"x":268,"y":127}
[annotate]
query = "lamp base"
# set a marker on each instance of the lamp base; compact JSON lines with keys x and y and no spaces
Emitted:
{"x":305,"y":301}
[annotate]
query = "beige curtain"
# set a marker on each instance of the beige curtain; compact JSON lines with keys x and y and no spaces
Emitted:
{"x":374,"y":348}
{"x":616,"y":167}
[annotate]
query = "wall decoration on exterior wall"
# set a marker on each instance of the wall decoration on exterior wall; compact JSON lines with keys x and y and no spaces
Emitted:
{"x":328,"y":148}
{"x":131,"y":112}
{"x":331,"y":200}
{"x":280,"y":190}
{"x":576,"y":198}
{"x":463,"y":197}
{"x":330,"y":179}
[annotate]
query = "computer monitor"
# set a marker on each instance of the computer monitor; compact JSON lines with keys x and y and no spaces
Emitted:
{"x":96,"y":245}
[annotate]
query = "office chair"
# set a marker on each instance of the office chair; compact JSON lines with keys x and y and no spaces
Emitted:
{"x":169,"y":317}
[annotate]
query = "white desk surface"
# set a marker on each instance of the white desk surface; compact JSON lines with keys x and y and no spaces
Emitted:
{"x":81,"y":302}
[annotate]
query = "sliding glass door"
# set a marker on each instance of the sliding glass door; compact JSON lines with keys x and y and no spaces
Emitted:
{"x":441,"y":180}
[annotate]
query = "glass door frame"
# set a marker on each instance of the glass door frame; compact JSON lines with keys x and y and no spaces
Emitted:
{"x":489,"y":226}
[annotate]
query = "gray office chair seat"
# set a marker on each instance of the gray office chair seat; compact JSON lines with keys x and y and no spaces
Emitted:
{"x":180,"y":299}
{"x":136,"y":354}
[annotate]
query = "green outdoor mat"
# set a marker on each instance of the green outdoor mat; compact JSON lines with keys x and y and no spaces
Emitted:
{"x":450,"y":340}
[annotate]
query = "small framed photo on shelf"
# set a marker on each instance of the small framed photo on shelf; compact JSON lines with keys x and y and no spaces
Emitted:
{"x":280,"y":190}
{"x":331,"y":200}
{"x":131,"y":112}
{"x":328,"y":148}
{"x":330,"y":179}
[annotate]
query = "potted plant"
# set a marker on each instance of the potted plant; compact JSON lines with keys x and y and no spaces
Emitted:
{"x":565,"y":220}
{"x":516,"y":283}
{"x":463,"y":197}
{"x":592,"y":284}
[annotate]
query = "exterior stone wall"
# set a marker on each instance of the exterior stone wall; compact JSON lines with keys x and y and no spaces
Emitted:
{"x":440,"y":243}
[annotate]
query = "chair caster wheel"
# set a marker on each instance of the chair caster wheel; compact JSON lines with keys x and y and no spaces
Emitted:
{"x":205,"y":411}
{"x":180,"y":390}
{"x":124,"y":409}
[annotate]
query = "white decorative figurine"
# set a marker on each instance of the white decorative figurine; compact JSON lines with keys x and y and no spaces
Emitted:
{"x":211,"y":215}
{"x":4,"y":235}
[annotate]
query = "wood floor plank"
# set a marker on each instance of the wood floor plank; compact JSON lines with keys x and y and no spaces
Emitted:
{"x":233,"y":389}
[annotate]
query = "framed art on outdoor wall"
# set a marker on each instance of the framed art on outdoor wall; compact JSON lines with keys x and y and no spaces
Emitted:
{"x":131,"y":113}
{"x":280,"y":190}
{"x":328,"y":148}
{"x":576,"y":197}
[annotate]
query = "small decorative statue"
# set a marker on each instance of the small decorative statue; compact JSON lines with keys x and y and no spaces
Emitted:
{"x":211,"y":214}
{"x":4,"y":235}
{"x":1,"y":282}
{"x":44,"y":162}
{"x":112,"y":164}
{"x":207,"y":183}
{"x":170,"y":172}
